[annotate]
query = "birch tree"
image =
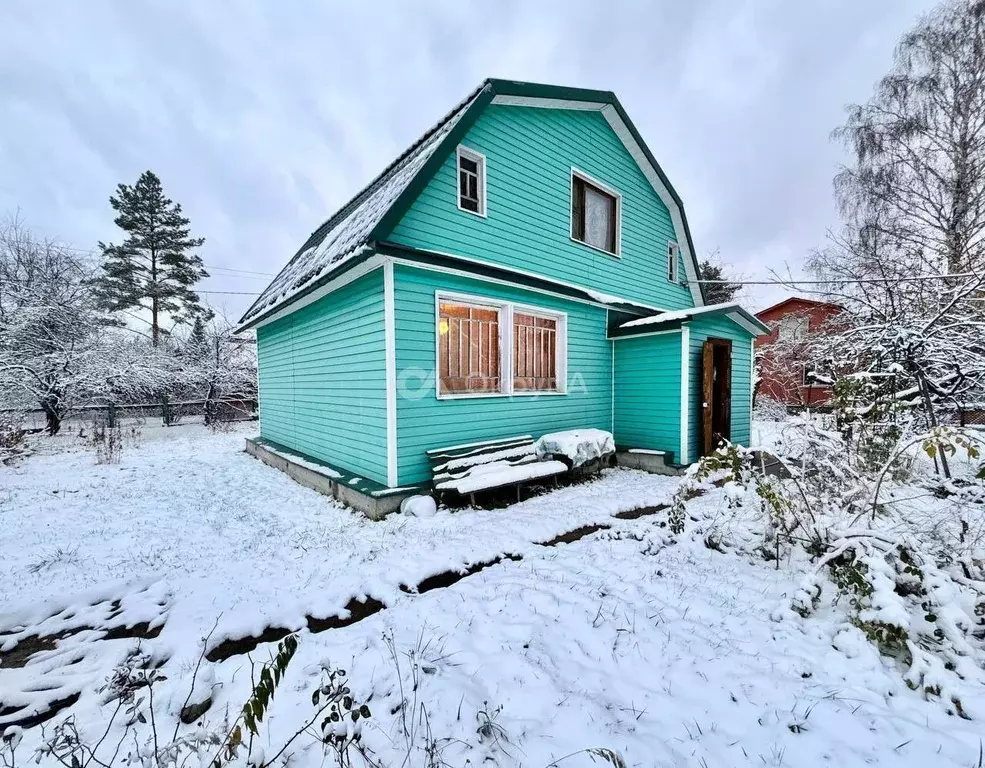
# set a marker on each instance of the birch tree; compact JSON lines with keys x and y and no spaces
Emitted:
{"x":909,"y":263}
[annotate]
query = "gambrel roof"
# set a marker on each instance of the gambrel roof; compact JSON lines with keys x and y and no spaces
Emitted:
{"x":351,"y":234}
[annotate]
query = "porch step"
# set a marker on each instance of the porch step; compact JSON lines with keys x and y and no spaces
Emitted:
{"x":655,"y":462}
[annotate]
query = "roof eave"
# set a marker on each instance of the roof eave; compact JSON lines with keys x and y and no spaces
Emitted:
{"x":360,"y":254}
{"x":756,"y":326}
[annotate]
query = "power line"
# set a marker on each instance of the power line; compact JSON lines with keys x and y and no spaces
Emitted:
{"x":242,"y":271}
{"x":845,"y":281}
{"x":94,"y":253}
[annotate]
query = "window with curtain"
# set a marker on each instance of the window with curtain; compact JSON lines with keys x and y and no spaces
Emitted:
{"x":468,"y":349}
{"x":594,"y":215}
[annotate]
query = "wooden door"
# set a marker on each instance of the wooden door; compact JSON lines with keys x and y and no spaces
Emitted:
{"x":716,"y":393}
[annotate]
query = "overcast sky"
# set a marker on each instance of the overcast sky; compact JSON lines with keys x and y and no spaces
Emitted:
{"x":261,"y":117}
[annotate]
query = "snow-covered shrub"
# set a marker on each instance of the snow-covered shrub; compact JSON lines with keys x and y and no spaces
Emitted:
{"x":768,"y":409}
{"x":900,"y":555}
{"x":107,"y":444}
{"x":12,"y":443}
{"x":337,"y":715}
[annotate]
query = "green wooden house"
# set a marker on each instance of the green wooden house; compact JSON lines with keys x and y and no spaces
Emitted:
{"x":524,"y":267}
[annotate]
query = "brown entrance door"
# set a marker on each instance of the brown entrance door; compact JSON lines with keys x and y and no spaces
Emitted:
{"x":716,"y":393}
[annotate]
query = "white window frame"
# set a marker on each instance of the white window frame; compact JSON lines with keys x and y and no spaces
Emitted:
{"x":480,"y":160}
{"x":576,"y":173}
{"x":506,"y":310}
{"x":673,"y":261}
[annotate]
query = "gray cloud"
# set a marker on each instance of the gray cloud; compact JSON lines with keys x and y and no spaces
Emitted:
{"x":261,"y":118}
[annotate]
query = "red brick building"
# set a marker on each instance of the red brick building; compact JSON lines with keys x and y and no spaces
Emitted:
{"x":783,"y":376}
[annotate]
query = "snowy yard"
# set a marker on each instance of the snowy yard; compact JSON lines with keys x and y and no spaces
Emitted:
{"x":665,"y":651}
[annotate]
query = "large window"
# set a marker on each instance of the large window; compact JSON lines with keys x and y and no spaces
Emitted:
{"x":534,"y":353}
{"x":468,"y":348}
{"x":498,"y":348}
{"x":594,"y":214}
{"x":471,"y":181}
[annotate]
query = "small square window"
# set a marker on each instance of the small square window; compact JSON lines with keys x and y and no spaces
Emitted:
{"x":672,"y":259}
{"x":471,"y":181}
{"x":594,"y":215}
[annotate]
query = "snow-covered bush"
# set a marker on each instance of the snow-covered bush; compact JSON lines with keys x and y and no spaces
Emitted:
{"x":12,"y":443}
{"x":337,"y":715}
{"x":893,"y":550}
{"x":768,"y":409}
{"x":107,"y":444}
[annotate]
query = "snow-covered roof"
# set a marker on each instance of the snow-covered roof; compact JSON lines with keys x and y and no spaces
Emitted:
{"x":346,"y":233}
{"x":730,"y":309}
{"x":350,"y":234}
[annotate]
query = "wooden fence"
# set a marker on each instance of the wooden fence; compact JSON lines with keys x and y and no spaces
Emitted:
{"x":170,"y":412}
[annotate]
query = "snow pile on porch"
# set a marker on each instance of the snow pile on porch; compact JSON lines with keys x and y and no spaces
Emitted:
{"x":578,"y":445}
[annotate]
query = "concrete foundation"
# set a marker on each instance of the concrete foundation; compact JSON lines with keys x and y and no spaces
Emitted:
{"x":648,"y":461}
{"x":375,"y":505}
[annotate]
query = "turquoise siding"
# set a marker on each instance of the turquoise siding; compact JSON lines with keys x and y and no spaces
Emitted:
{"x":529,"y":155}
{"x":323,"y":379}
{"x":648,"y":392}
{"x":424,"y":422}
{"x":721,"y":328}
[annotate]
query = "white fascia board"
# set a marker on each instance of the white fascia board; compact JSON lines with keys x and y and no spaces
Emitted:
{"x":373,"y":262}
{"x":390,"y":351}
{"x":683,"y":457}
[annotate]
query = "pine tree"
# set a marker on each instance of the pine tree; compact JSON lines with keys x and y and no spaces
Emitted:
{"x":154,"y":267}
{"x":197,"y":339}
{"x":716,"y":292}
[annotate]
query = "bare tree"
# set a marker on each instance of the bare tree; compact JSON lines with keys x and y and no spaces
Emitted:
{"x":48,"y":322}
{"x":224,"y":365}
{"x":919,"y":143}
{"x":908,"y":265}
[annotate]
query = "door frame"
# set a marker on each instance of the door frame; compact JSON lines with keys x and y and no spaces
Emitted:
{"x":709,"y":406}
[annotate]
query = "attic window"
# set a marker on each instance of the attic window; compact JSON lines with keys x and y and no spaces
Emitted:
{"x":471,"y":181}
{"x":594,"y":214}
{"x":672,"y":253}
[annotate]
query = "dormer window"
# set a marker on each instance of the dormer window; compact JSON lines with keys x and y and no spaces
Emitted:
{"x":471,"y":181}
{"x":595,"y":213}
{"x":672,"y":261}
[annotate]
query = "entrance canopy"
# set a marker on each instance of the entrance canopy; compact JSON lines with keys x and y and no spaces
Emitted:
{"x":665,"y":321}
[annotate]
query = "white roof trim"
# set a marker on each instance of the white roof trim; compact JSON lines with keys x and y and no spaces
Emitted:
{"x":730,"y":310}
{"x":739,"y":320}
{"x":373,"y":262}
{"x":682,"y":314}
{"x":626,"y":137}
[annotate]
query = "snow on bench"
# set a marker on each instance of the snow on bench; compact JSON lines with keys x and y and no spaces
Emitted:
{"x":482,"y":466}
{"x":496,"y":474}
{"x":489,"y":464}
{"x":579,"y":446}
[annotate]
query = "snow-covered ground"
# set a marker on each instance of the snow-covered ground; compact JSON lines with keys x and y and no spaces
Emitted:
{"x":667,"y":652}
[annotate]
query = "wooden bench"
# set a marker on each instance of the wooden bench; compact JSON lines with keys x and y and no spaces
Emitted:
{"x":484,"y":466}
